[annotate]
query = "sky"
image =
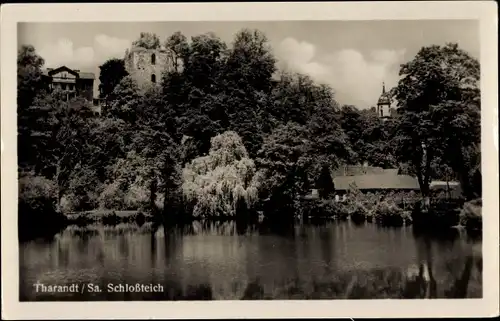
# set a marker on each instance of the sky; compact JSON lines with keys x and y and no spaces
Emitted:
{"x":353,"y":57}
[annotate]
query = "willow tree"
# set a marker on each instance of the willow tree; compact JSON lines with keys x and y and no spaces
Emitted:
{"x":222,"y":183}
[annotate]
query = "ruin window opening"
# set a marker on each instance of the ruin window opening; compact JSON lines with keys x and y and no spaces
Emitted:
{"x":153,"y":59}
{"x":153,"y":78}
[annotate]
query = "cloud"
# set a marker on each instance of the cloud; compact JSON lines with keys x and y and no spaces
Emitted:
{"x":356,"y":78}
{"x":111,"y":47}
{"x":63,"y":52}
{"x":299,"y":56}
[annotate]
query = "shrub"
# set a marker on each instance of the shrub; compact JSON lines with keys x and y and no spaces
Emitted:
{"x":130,"y":185}
{"x":319,"y":208}
{"x":471,"y":215}
{"x":137,"y":195}
{"x":37,"y":193}
{"x":111,"y":218}
{"x":369,"y":201}
{"x":37,"y":212}
{"x":388,"y":213}
{"x":112,"y":197}
{"x":406,"y":200}
{"x":357,"y":211}
{"x":83,"y":190}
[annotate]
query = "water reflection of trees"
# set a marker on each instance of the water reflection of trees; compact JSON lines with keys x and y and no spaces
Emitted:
{"x":371,"y":284}
{"x":284,"y":229}
{"x":172,"y":240}
{"x":264,"y":263}
{"x":456,"y":274}
{"x":236,"y":227}
{"x":218,"y":227}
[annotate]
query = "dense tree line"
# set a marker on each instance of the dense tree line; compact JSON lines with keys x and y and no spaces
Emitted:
{"x":225,"y":132}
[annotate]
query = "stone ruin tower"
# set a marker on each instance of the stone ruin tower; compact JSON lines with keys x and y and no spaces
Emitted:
{"x":146,"y":66}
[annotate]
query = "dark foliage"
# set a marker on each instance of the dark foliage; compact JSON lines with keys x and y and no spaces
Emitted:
{"x":134,"y":156}
{"x":111,"y":74}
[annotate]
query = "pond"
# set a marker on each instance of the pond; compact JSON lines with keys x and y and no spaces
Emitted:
{"x":225,"y":261}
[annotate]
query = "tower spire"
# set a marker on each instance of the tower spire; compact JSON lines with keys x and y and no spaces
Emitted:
{"x":383,"y":87}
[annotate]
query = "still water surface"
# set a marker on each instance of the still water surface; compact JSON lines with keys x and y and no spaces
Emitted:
{"x":224,"y":261}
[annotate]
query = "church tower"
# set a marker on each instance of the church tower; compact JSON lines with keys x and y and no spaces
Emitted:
{"x":384,"y":104}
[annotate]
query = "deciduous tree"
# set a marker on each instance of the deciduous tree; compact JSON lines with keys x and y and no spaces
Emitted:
{"x":284,"y":160}
{"x":123,"y":101}
{"x":111,"y":74}
{"x":147,"y":40}
{"x":179,"y":50}
{"x":438,"y":98}
{"x":33,"y":116}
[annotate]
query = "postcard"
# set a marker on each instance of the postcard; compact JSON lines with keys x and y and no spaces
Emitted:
{"x":250,"y":160}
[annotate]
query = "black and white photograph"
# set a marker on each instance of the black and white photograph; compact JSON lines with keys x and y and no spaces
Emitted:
{"x":250,"y":160}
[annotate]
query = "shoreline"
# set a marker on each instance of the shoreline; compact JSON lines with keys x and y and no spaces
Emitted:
{"x":467,"y":218}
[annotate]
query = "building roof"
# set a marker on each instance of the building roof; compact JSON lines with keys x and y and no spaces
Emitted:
{"x":86,"y":75}
{"x":82,"y":75}
{"x":443,"y":184}
{"x":454,"y":191}
{"x":350,"y":170}
{"x":376,"y":181}
{"x":384,"y":100}
{"x":391,"y":171}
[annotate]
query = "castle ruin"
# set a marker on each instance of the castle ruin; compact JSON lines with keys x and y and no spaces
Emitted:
{"x":146,"y":66}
